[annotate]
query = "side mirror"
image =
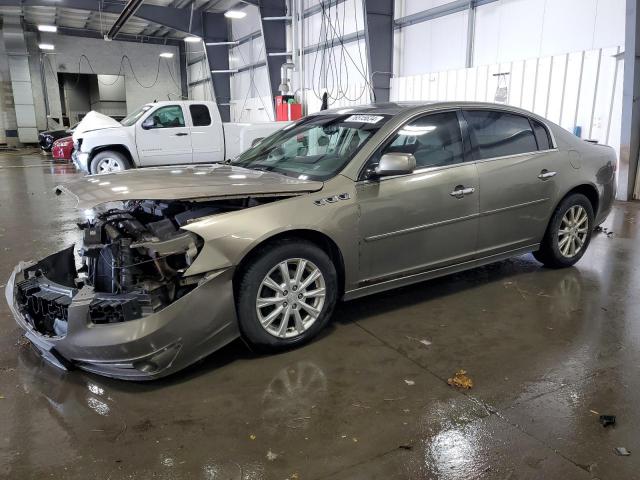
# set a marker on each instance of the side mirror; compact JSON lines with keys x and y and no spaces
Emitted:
{"x":396,"y":164}
{"x":148,"y":123}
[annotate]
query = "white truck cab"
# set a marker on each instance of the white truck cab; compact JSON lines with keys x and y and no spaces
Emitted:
{"x":163,"y":133}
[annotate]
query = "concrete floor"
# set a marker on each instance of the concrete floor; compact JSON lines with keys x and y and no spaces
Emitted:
{"x":546,"y":350}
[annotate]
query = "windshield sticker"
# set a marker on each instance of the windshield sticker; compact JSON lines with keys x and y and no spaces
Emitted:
{"x":364,"y":118}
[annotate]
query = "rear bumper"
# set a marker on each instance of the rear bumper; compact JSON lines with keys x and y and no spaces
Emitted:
{"x":146,"y":348}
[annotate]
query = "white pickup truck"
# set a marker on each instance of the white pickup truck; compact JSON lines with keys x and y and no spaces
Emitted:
{"x":163,"y":133}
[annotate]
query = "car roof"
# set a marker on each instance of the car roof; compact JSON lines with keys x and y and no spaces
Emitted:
{"x":396,"y":108}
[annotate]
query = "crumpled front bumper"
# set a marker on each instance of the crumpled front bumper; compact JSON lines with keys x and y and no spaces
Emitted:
{"x":146,"y":348}
{"x":80,"y":160}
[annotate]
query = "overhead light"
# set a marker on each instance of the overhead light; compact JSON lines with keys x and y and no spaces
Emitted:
{"x":46,"y":46}
{"x":192,"y":39}
{"x":166,"y":55}
{"x":48,"y":28}
{"x":235,"y":14}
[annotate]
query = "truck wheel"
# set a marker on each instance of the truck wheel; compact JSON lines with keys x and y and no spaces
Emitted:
{"x":109,"y":161}
{"x":286,"y":295}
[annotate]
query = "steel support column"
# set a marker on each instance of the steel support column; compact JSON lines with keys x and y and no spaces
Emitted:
{"x":378,"y":27}
{"x":213,"y":27}
{"x":630,"y":135}
{"x":275,"y":40}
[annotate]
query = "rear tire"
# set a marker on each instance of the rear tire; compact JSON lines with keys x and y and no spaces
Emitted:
{"x":109,"y":161}
{"x":568,"y":234}
{"x":305,"y":301}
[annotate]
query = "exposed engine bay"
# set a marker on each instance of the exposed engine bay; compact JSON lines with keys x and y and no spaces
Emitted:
{"x":132,"y":257}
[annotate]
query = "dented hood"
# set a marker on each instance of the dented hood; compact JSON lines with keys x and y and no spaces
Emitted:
{"x":182,"y":183}
{"x":94,"y":121}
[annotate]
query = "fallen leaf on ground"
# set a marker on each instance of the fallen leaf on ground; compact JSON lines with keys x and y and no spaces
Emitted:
{"x":252,"y":436}
{"x":409,"y":382}
{"x":461,"y":380}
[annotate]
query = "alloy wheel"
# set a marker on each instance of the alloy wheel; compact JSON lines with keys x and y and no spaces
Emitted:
{"x":574,"y":228}
{"x":290,"y":298}
{"x":108,"y":165}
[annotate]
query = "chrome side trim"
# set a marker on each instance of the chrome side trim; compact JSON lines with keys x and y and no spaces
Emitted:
{"x":518,"y":155}
{"x":417,"y":228}
{"x":513,"y":207}
{"x":383,"y":285}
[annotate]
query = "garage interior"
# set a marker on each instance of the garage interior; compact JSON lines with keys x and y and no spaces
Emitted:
{"x":548,"y":351}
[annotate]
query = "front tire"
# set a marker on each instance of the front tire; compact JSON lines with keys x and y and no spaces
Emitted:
{"x":286,"y":295}
{"x":109,"y":161}
{"x":568,"y":234}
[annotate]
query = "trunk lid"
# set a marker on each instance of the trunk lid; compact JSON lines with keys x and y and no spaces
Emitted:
{"x":182,"y":183}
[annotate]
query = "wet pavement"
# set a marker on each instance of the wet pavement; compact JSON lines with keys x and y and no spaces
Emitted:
{"x":548,"y":350}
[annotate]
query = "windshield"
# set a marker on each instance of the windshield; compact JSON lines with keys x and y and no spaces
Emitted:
{"x":316,"y":148}
{"x":134,"y":116}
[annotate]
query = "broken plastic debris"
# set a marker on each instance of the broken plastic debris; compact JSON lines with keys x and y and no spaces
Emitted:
{"x":461,"y":380}
{"x":623,"y":452}
{"x":605,"y":230}
{"x":607,"y":420}
{"x":409,"y":382}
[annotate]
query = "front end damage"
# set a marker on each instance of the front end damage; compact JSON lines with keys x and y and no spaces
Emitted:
{"x":121,"y":305}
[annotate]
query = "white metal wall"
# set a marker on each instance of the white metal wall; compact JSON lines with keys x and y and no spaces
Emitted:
{"x":505,"y":30}
{"x":250,"y":90}
{"x":340,"y":69}
{"x":575,"y":89}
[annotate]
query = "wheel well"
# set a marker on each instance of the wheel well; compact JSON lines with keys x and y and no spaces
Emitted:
{"x":319,"y":239}
{"x":588,"y":191}
{"x":116,"y":148}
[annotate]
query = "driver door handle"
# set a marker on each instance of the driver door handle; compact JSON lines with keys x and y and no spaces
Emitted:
{"x":181,"y":134}
{"x":545,"y":174}
{"x":460,"y":191}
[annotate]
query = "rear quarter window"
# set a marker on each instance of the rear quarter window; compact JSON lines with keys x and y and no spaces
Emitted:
{"x":542,"y":135}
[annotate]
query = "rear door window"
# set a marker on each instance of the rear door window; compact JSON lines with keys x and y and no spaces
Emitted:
{"x":200,"y":115}
{"x":499,"y":134}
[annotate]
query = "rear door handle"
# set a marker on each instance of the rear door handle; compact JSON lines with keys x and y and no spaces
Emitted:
{"x":460,"y":191}
{"x":181,"y":134}
{"x":545,"y":174}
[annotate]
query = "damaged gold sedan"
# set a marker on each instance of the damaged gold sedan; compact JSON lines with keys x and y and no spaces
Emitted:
{"x":178,"y":261}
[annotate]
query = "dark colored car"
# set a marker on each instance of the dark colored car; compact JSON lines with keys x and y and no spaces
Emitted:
{"x":63,"y":148}
{"x":46,"y":138}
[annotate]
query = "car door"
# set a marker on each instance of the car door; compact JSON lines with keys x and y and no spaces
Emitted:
{"x":424,"y":220}
{"x":206,"y":135}
{"x":163,"y":138}
{"x":516,"y":174}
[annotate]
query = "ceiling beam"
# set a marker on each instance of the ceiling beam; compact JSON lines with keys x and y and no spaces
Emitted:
{"x":127,"y":12}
